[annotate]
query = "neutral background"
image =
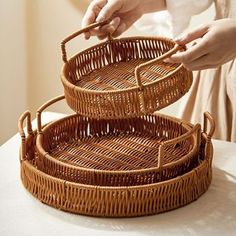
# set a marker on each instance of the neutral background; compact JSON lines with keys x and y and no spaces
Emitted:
{"x":30,"y":58}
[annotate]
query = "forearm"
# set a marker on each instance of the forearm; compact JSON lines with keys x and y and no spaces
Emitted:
{"x":153,"y":5}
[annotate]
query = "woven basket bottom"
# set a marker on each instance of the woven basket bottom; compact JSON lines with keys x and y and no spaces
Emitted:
{"x":121,"y":75}
{"x":116,"y":201}
{"x":126,"y":151}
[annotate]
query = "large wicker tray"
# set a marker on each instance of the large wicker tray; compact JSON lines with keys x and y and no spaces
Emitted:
{"x":124,"y":77}
{"x":114,"y":201}
{"x":118,"y":152}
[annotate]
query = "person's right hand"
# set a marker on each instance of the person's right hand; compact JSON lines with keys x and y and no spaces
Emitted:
{"x":122,"y":13}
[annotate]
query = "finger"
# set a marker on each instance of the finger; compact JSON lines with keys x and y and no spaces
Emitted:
{"x":127,"y":20}
{"x":196,"y":51}
{"x":106,"y":29}
{"x":87,"y":21}
{"x":121,"y":28}
{"x":192,"y":35}
{"x":101,"y":37}
{"x":103,"y":31}
{"x":91,"y":14}
{"x":94,"y":9}
{"x":202,"y":63}
{"x":112,"y":26}
{"x":108,"y":10}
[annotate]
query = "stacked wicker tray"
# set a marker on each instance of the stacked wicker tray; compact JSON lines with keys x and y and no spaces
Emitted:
{"x":114,"y":157}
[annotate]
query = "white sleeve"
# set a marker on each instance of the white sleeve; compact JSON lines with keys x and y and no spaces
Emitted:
{"x":181,"y":12}
{"x":158,"y":23}
{"x":175,"y":20}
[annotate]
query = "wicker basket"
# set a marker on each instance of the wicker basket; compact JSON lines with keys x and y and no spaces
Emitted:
{"x":124,"y":77}
{"x":118,"y":152}
{"x":115,"y":201}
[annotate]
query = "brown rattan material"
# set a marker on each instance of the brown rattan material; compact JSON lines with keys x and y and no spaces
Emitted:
{"x":118,"y":152}
{"x":124,"y":77}
{"x":115,"y":201}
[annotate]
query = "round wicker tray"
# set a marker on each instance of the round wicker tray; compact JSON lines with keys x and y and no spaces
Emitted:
{"x":124,"y":77}
{"x":114,"y":201}
{"x":118,"y":152}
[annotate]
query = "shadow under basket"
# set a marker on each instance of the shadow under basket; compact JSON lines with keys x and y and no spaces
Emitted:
{"x":90,"y":192}
{"x":124,"y":77}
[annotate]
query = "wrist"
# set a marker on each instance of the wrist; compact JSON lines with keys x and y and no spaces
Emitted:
{"x":149,"y":6}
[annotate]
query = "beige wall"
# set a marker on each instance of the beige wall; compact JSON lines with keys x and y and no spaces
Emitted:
{"x":31,"y":32}
{"x":13,"y":73}
{"x":48,"y":23}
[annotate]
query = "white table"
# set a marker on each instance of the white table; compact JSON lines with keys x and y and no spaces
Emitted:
{"x":212,"y":214}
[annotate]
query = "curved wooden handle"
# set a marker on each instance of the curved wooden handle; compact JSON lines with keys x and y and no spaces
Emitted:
{"x":208,"y":119}
{"x":25,"y":115}
{"x":154,"y":61}
{"x":66,"y":40}
{"x":43,"y":107}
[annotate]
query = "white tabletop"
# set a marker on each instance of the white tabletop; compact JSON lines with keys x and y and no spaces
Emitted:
{"x":212,"y":214}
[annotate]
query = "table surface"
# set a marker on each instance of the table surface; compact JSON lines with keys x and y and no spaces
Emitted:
{"x":214,"y":213}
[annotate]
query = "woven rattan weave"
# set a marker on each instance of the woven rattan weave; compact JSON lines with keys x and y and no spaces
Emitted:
{"x":116,"y":152}
{"x":124,"y":77}
{"x":114,"y":157}
{"x":114,"y":201}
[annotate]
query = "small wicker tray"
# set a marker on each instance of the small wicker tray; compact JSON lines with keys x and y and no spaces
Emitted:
{"x":124,"y":77}
{"x":114,"y":201}
{"x":118,"y":152}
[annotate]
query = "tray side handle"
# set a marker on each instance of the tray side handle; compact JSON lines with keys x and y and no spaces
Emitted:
{"x":43,"y":107}
{"x":142,"y":66}
{"x":74,"y":35}
{"x":25,"y":116}
{"x":208,"y":119}
{"x":195,"y":131}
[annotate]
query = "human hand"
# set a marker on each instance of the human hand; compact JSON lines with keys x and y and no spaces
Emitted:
{"x":216,"y":46}
{"x":122,"y":13}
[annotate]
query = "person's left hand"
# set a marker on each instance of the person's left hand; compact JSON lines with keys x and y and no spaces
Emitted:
{"x":216,"y":46}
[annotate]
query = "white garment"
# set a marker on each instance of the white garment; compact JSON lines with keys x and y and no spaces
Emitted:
{"x":181,"y":12}
{"x":175,"y":20}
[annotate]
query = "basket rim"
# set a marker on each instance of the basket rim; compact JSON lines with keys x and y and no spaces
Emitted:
{"x":187,"y":125}
{"x":198,"y":167}
{"x":72,"y":86}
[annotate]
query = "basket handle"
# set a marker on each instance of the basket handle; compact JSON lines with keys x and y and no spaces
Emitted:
{"x":196,"y":130}
{"x":43,"y":107}
{"x":74,"y":35}
{"x":207,"y":118}
{"x":140,"y":67}
{"x":26,"y":115}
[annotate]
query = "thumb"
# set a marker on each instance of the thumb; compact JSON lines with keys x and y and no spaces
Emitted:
{"x":108,"y":10}
{"x":192,"y":35}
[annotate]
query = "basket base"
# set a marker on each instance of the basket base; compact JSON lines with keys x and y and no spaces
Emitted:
{"x":126,"y":151}
{"x":111,"y":201}
{"x":118,"y":76}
